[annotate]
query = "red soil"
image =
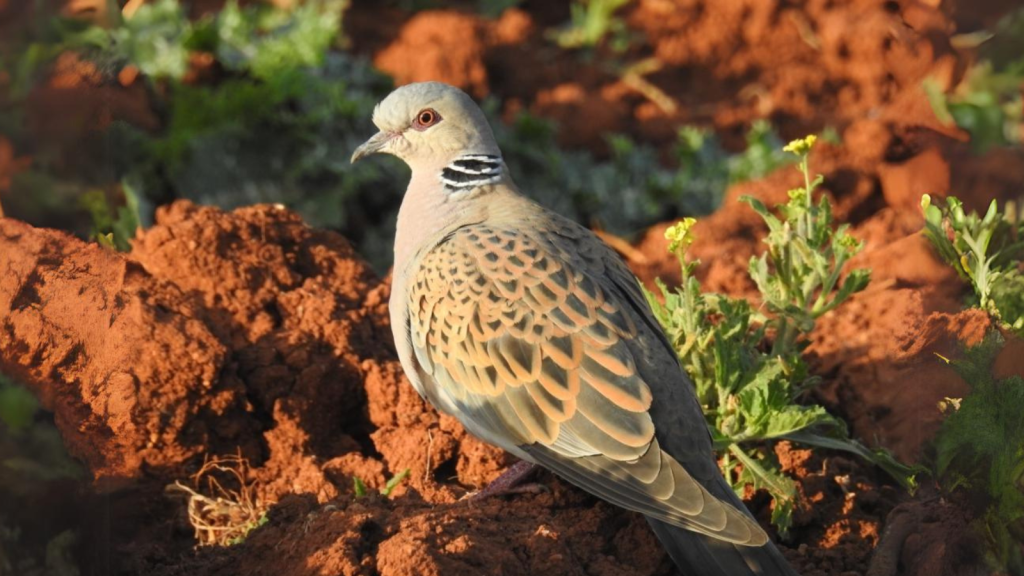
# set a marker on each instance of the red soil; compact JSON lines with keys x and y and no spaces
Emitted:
{"x":721,"y":63}
{"x":248,"y":331}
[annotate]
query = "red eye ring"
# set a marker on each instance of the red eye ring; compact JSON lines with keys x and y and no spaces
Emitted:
{"x":426,"y":118}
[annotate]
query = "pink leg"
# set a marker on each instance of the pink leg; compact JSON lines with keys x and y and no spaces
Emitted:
{"x":511,"y":481}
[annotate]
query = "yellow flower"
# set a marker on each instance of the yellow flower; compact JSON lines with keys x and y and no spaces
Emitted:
{"x":850,"y":243}
{"x":949,"y":405}
{"x":798,"y":195}
{"x":680,"y":235}
{"x":801,"y":146}
{"x":926,"y":201}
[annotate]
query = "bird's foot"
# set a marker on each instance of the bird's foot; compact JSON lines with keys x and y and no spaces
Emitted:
{"x":511,"y":481}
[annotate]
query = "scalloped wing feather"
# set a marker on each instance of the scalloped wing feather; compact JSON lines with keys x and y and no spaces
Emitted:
{"x":521,"y":335}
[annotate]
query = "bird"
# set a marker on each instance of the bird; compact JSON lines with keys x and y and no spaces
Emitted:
{"x":533,"y":333}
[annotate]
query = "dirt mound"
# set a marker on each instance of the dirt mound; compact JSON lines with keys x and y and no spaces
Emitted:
{"x":842,"y":510}
{"x":544,"y":534}
{"x":248,"y":331}
{"x":92,"y":330}
{"x":436,"y":45}
{"x":720,"y":63}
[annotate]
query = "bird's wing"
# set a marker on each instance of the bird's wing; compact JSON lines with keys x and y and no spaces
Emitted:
{"x":529,"y":337}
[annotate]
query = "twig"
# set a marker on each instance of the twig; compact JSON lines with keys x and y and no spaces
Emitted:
{"x":805,"y":30}
{"x":430,"y":444}
{"x":222,"y":516}
{"x":634,"y":77}
{"x":129,"y":9}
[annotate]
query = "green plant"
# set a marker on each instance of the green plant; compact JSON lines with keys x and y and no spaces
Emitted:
{"x":247,"y":528}
{"x":39,"y":454}
{"x":360,"y":490}
{"x":393,"y":482}
{"x":358,"y":487}
{"x":18,"y":407}
{"x":749,"y":393}
{"x":799,"y":275}
{"x":980,"y":454}
{"x":589,"y":22}
{"x":987,"y":251}
{"x":988,"y":103}
{"x":33,"y":463}
{"x":761,"y":156}
{"x":494,"y":8}
{"x":159,"y":39}
{"x":112,"y":226}
{"x":631,"y":190}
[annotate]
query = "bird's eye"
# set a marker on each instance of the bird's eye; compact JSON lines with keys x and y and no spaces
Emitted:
{"x":426,"y":118}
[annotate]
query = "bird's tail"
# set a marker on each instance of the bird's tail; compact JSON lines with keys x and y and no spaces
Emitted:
{"x":697,"y":554}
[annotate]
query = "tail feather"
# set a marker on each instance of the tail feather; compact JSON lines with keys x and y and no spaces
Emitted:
{"x":699,"y":555}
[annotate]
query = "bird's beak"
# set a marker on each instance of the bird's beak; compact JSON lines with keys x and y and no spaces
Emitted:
{"x":375,"y":144}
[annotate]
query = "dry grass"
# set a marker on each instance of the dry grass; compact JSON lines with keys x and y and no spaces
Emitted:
{"x":222,"y":503}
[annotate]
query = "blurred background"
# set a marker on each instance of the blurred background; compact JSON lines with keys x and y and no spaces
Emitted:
{"x":619,"y":114}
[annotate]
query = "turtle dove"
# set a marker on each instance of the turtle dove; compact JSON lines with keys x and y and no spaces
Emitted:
{"x":530,"y":331}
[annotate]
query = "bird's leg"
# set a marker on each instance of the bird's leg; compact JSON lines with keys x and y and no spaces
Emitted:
{"x":511,"y":481}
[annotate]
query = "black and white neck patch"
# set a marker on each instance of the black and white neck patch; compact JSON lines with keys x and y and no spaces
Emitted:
{"x":470,"y":171}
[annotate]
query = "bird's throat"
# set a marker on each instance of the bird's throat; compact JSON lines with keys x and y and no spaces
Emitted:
{"x":429,"y":211}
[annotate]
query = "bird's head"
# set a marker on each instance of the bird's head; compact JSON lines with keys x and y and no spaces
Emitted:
{"x":429,"y":123}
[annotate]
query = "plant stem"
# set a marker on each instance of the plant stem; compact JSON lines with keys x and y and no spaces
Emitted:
{"x":805,"y":168}
{"x":820,"y":307}
{"x":781,"y":337}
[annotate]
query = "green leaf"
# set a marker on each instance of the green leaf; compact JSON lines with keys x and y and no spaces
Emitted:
{"x":394,"y":482}
{"x":856,"y":281}
{"x":17,"y":407}
{"x":980,"y":451}
{"x":127,"y":222}
{"x":269,"y":44}
{"x":762,"y":474}
{"x":60,"y":555}
{"x":832,"y":434}
{"x":590,"y":21}
{"x":358,"y":487}
{"x":153,"y":39}
{"x":986,"y":251}
{"x":108,"y":230}
{"x":1008,"y":298}
{"x":760,"y":208}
